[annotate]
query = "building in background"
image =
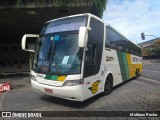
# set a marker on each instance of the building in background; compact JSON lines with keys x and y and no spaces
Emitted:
{"x":19,"y":17}
{"x":151,"y":49}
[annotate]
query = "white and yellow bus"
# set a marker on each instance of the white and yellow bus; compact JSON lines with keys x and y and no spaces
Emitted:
{"x":77,"y":57}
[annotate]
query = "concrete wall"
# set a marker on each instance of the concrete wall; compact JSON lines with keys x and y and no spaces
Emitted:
{"x":13,"y":59}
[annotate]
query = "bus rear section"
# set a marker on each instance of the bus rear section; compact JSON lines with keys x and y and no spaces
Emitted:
{"x":123,"y":57}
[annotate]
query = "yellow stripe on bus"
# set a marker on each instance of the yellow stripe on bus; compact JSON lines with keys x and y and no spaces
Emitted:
{"x":130,"y":65}
{"x":61,"y":78}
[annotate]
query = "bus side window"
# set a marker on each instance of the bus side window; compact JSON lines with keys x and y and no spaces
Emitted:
{"x":90,"y":54}
{"x":127,"y":50}
{"x":111,"y":38}
{"x":107,"y":44}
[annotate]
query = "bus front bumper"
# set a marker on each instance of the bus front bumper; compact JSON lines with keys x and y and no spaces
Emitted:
{"x":66,"y":92}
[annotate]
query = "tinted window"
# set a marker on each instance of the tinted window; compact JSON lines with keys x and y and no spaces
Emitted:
{"x":111,"y":38}
{"x":90,"y":54}
{"x":116,"y":41}
{"x":67,"y":24}
{"x":120,"y":44}
{"x":95,"y":46}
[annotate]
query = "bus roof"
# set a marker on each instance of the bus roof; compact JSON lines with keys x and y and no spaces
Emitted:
{"x":91,"y":15}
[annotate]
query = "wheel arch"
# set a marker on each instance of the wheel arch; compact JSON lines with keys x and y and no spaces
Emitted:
{"x":108,"y":74}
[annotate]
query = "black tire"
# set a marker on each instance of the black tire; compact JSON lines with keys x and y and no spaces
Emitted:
{"x":108,"y":85}
{"x":137,"y":73}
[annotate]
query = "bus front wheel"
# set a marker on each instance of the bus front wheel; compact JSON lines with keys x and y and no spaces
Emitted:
{"x":108,"y":85}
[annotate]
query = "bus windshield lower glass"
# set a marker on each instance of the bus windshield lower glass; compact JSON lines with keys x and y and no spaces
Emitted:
{"x":58,"y":53}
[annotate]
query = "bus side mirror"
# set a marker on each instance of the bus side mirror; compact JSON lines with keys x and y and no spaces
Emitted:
{"x":23,"y":44}
{"x":83,"y":32}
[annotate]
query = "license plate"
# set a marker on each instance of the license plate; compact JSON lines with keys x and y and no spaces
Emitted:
{"x":48,"y":90}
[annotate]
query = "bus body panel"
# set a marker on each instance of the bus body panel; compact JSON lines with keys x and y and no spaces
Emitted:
{"x":66,"y":92}
{"x":92,"y":86}
{"x":52,"y":79}
{"x":93,"y":78}
{"x":112,"y":64}
{"x":121,"y":65}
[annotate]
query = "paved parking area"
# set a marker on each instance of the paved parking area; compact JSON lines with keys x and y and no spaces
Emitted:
{"x":135,"y":95}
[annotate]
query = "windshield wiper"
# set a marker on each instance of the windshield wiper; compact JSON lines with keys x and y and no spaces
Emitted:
{"x":58,"y":70}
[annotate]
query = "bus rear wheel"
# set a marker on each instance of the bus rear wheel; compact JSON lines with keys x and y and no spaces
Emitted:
{"x":108,"y":85}
{"x":137,"y":73}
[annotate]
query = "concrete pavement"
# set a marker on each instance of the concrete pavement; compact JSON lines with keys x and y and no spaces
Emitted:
{"x":141,"y":94}
{"x":135,"y":95}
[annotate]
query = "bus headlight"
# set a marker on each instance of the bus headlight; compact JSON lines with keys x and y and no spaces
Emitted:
{"x":72,"y":82}
{"x":33,"y":78}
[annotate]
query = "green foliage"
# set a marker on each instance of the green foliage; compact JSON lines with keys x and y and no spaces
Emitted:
{"x":18,"y":3}
{"x":100,"y":4}
{"x":154,"y":49}
{"x":39,"y":2}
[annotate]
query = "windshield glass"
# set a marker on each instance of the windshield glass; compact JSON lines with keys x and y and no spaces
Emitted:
{"x":58,"y":53}
{"x":67,"y":24}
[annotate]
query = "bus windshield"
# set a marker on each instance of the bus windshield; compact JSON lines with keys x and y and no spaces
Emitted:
{"x":58,"y":53}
